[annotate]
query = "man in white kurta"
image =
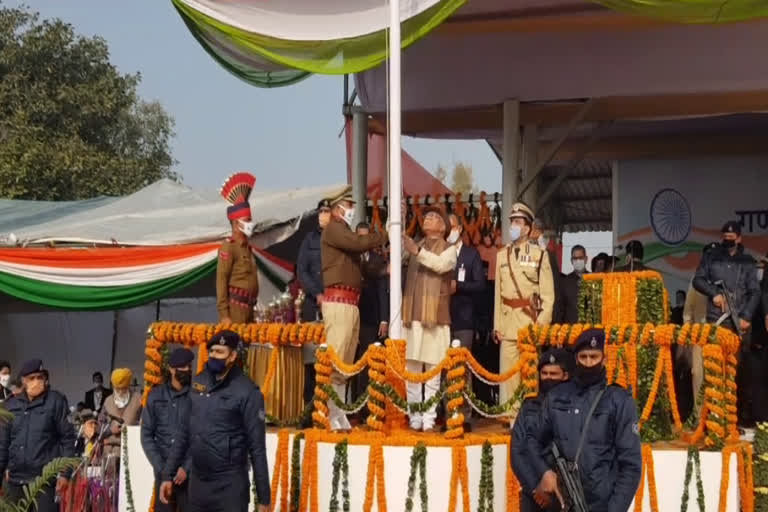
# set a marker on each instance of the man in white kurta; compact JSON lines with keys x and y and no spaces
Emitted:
{"x":426,"y":309}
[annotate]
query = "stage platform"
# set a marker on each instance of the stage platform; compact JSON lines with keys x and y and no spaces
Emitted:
{"x":669,"y":461}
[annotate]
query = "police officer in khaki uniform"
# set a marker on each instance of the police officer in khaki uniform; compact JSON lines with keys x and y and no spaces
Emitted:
{"x":237,"y":279}
{"x":340,"y":250}
{"x":524,"y":292}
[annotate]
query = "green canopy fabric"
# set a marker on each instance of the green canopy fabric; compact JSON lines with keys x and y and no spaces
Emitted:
{"x":267,"y":61}
{"x":692,"y":11}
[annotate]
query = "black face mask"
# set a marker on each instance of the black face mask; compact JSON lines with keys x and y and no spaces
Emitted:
{"x":588,"y":375}
{"x":184,"y":378}
{"x":547,"y":385}
{"x":728,"y":244}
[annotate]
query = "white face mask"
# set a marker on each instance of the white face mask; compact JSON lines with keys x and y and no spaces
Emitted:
{"x":453,"y":237}
{"x":247,"y":227}
{"x":514,"y":233}
{"x":5,"y":380}
{"x":579,"y":265}
{"x":348,"y":216}
{"x":543,"y":241}
{"x":122,"y":399}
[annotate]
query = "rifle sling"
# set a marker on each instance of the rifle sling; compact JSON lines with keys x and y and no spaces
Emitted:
{"x":585,"y":429}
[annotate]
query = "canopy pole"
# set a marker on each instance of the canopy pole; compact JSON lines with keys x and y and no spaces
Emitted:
{"x":359,"y":163}
{"x":395,"y":175}
{"x":510,"y":165}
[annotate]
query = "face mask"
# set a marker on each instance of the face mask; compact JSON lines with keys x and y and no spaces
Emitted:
{"x":514,"y":233}
{"x":5,"y":380}
{"x":216,"y":366}
{"x":453,"y":237}
{"x":588,"y":375}
{"x":728,"y":244}
{"x":247,"y":227}
{"x":579,"y":265}
{"x":543,"y":241}
{"x":122,"y":399}
{"x":184,"y":378}
{"x":545,"y":386}
{"x":348,"y":216}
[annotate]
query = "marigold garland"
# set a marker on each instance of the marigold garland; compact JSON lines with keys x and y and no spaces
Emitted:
{"x":274,"y":358}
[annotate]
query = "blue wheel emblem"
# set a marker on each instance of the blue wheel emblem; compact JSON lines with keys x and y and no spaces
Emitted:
{"x":671,"y":217}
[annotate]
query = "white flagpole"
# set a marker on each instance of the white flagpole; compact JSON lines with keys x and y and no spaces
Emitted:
{"x":395,"y":175}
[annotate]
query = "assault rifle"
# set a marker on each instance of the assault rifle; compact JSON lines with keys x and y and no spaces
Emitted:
{"x":730,"y":312}
{"x":569,"y":481}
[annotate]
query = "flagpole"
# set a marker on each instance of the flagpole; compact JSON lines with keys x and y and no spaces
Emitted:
{"x":395,"y":175}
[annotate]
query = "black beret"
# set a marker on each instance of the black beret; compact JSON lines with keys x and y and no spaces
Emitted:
{"x":180,"y":357}
{"x":732,"y":226}
{"x":324,"y":203}
{"x":559,"y":356}
{"x":31,"y":366}
{"x":590,"y":339}
{"x":226,"y":339}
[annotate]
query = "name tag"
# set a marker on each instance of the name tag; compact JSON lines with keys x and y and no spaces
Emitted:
{"x":462,"y":274}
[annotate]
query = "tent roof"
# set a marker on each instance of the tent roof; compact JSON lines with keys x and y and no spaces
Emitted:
{"x":164,"y":213}
{"x":416,"y":179}
{"x":564,"y":51}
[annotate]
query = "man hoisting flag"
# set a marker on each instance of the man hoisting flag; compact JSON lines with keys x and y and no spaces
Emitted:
{"x":237,"y":280}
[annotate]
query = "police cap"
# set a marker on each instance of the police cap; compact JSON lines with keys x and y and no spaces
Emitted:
{"x":521,"y":211}
{"x":30,"y":367}
{"x":732,"y":226}
{"x":180,"y":357}
{"x":324,"y":203}
{"x":590,"y":339}
{"x":559,"y":356}
{"x":225,"y":339}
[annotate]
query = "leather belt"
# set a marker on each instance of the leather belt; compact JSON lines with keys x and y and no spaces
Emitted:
{"x":241,"y":297}
{"x":342,"y":295}
{"x":516,"y":303}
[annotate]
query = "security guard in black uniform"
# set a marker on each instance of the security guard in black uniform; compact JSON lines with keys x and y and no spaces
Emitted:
{"x":610,"y":463}
{"x":225,"y":430}
{"x":555,"y":366}
{"x":40,"y":432}
{"x":309,"y":271}
{"x":168,"y":407}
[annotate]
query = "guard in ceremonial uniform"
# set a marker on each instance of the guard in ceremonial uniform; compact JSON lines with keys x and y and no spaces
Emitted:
{"x":610,"y":461}
{"x":524,"y":292}
{"x":555,"y":366}
{"x":237,"y":279}
{"x":39,"y":432}
{"x":342,"y":280}
{"x":167,"y":409}
{"x":224,"y":434}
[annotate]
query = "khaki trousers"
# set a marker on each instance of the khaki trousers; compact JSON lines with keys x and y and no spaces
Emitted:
{"x":508,"y":357}
{"x":342,"y":328}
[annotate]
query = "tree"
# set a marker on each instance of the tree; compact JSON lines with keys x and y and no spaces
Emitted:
{"x":71,"y":125}
{"x":463,"y":179}
{"x":441,"y":174}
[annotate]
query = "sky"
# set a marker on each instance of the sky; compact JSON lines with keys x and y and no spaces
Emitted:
{"x":284,"y":136}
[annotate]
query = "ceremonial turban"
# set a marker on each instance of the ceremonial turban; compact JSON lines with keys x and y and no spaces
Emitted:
{"x":121,"y":378}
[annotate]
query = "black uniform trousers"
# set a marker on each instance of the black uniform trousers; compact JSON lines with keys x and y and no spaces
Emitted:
{"x":46,"y":502}
{"x":179,"y":501}
{"x":224,"y":492}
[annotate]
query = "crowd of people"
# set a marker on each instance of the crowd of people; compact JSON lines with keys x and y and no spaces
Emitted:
{"x":203,"y":434}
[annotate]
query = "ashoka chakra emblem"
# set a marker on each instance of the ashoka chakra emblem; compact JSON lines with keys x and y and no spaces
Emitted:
{"x":671,"y":217}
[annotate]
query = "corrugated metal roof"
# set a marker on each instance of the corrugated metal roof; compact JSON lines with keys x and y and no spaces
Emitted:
{"x":583,"y":200}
